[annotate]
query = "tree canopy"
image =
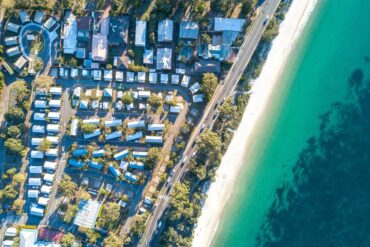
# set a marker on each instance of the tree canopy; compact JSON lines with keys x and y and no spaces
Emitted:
{"x":113,"y":241}
{"x":14,"y":115}
{"x":154,"y":100}
{"x":43,"y":82}
{"x":88,"y":128}
{"x":14,"y":146}
{"x":67,"y":187}
{"x":209,"y":84}
{"x":67,"y":240}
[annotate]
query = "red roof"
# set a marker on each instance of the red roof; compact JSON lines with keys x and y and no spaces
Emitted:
{"x":49,"y":235}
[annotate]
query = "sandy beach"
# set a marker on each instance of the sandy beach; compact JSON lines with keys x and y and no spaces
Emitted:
{"x":262,"y":88}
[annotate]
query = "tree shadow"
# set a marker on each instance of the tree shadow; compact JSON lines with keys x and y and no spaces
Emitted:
{"x":328,"y":201}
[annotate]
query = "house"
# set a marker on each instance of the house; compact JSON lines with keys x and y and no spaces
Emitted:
{"x":139,"y":154}
{"x":198,"y":98}
{"x":131,"y":177}
{"x":206,"y":66}
{"x":118,"y":30}
{"x":228,"y":24}
{"x":40,"y":104}
{"x":55,"y":91}
{"x":175,"y":79}
{"x":130,"y":76}
{"x":175,"y":109}
{"x":153,"y":77}
{"x":180,"y":71}
{"x":108,"y":75}
{"x":154,"y":139}
{"x":98,"y":153}
{"x":36,"y":141}
{"x":121,"y":155}
{"x":97,"y":132}
{"x":185,"y":81}
{"x":164,"y":78}
{"x":113,"y":135}
{"x":11,"y":232}
{"x":12,"y":40}
{"x":164,"y":59}
{"x":53,"y":152}
{"x":81,"y":53}
{"x":112,"y":123}
{"x":46,"y":189}
{"x":39,"y":16}
{"x":55,"y":103}
{"x":38,"y":129}
{"x":136,"y":165}
{"x":30,"y":240}
{"x":43,"y":201}
{"x":95,"y":165}
{"x":194,"y":88}
{"x":35,"y":154}
{"x":156,"y":127}
{"x":74,"y":72}
{"x":136,"y":124}
{"x":34,"y":182}
{"x":76,"y":163}
{"x":107,"y":92}
{"x":79,"y":152}
{"x":165,"y":31}
{"x":189,"y":30}
{"x":141,"y":76}
{"x":69,"y":33}
{"x":35,"y":169}
{"x":20,"y":63}
{"x":49,"y":23}
{"x":33,"y":193}
{"x":114,"y":171}
{"x":53,"y":139}
{"x":23,"y":15}
{"x":12,"y":27}
{"x":13,"y":51}
{"x":48,"y":177}
{"x":140,"y":33}
{"x":84,"y":104}
{"x":87,"y":214}
{"x":77,"y":92}
{"x":74,"y":127}
{"x":134,"y":136}
{"x":148,"y":56}
{"x":49,"y":165}
{"x":144,"y":94}
{"x":119,"y":76}
{"x":83,"y":28}
{"x":95,"y":121}
{"x":99,"y":48}
{"x":39,"y":116}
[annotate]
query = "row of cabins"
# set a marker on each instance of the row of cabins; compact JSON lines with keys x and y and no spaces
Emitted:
{"x":139,"y":124}
{"x":46,"y":127}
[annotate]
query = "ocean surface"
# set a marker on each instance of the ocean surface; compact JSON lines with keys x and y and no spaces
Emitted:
{"x":306,"y":177}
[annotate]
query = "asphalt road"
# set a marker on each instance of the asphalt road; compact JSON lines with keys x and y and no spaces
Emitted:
{"x":224,"y":90}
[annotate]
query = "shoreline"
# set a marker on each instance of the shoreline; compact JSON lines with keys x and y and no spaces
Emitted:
{"x":262,"y":88}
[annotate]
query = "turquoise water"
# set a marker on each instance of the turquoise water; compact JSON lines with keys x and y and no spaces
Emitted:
{"x":335,"y":43}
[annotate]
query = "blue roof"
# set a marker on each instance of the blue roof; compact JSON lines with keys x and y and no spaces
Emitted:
{"x":114,"y":170}
{"x":76,"y":163}
{"x":131,"y":177}
{"x":139,"y":154}
{"x":136,"y":165}
{"x":121,"y":155}
{"x":79,"y":152}
{"x":98,"y":153}
{"x":95,"y":165}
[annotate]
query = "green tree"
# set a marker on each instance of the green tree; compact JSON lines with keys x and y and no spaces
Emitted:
{"x":8,"y":4}
{"x":209,"y":146}
{"x":67,"y":187}
{"x":113,"y":241}
{"x":209,"y":84}
{"x":92,"y":236}
{"x":73,"y":62}
{"x":2,"y":80}
{"x":206,"y":38}
{"x":9,"y":192}
{"x":13,"y":131}
{"x":127,"y":98}
{"x":154,"y":155}
{"x":271,"y":31}
{"x":38,"y":64}
{"x":60,"y":60}
{"x":227,"y":110}
{"x":14,"y":146}
{"x":14,"y":115}
{"x":88,"y":128}
{"x":9,"y":173}
{"x":45,"y":145}
{"x":43,"y":82}
{"x":19,"y":178}
{"x":67,"y":240}
{"x":154,"y":100}
{"x":109,"y":215}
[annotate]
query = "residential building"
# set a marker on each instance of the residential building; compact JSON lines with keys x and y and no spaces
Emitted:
{"x":198,"y":98}
{"x":164,"y":78}
{"x":20,"y":63}
{"x":114,"y":171}
{"x":136,"y":124}
{"x":74,"y":127}
{"x":113,"y":135}
{"x":165,"y":31}
{"x":83,"y":28}
{"x":49,"y":23}
{"x":23,"y":15}
{"x":39,"y":16}
{"x":156,"y":127}
{"x":12,"y":40}
{"x":140,"y":33}
{"x":118,"y":30}
{"x":131,"y":177}
{"x":189,"y":30}
{"x":139,"y":154}
{"x":55,"y":91}
{"x":121,"y":155}
{"x":154,"y":139}
{"x":148,"y":56}
{"x":12,"y":27}
{"x":164,"y":59}
{"x":134,"y":136}
{"x":13,"y":51}
{"x":96,"y":133}
{"x":194,"y":88}
{"x":99,"y":48}
{"x":69,"y":33}
{"x":87,"y":214}
{"x":153,"y":77}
